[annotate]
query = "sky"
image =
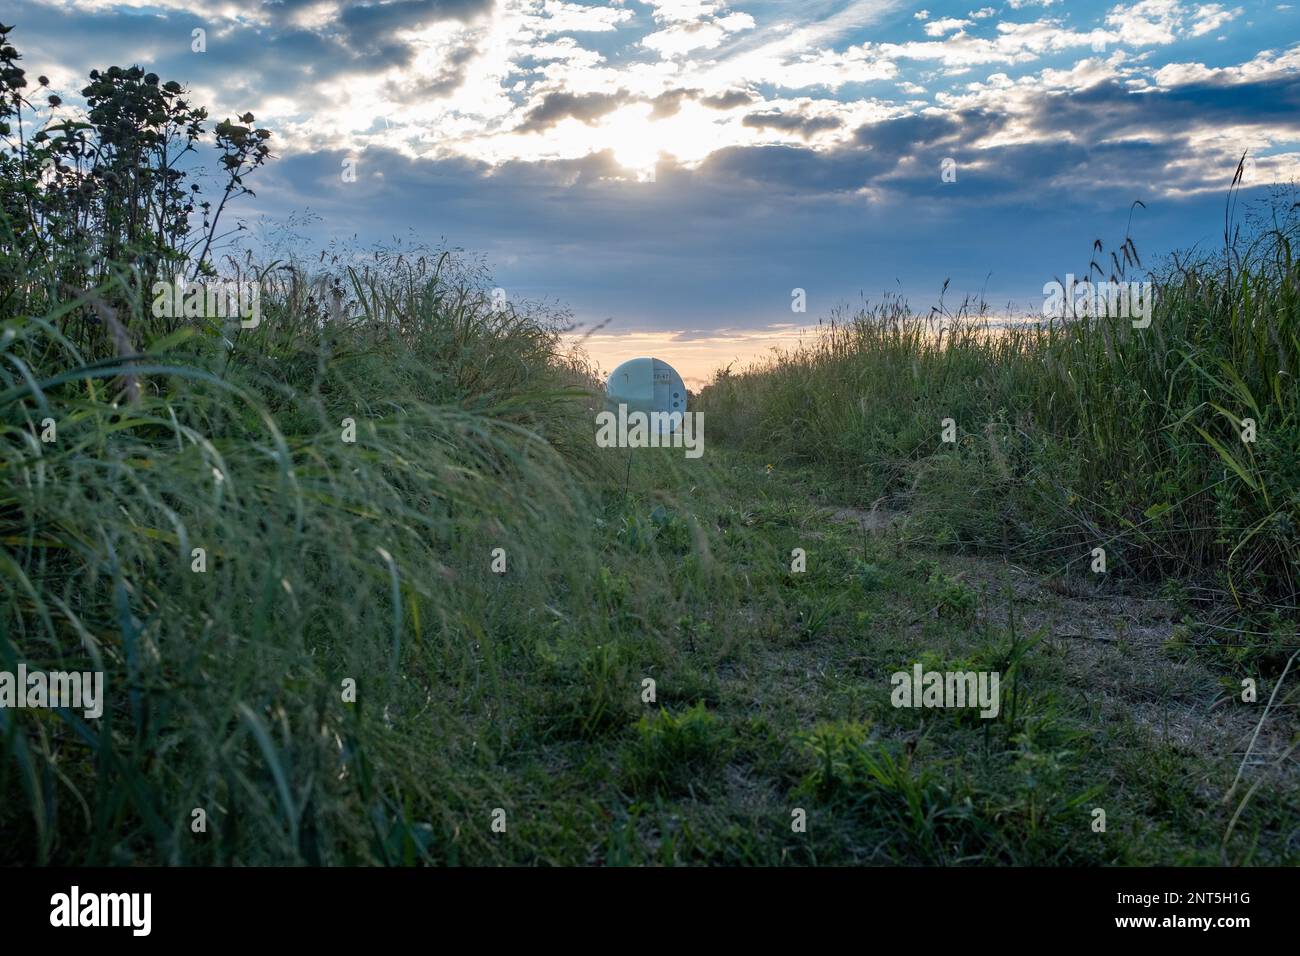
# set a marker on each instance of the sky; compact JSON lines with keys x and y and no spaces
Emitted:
{"x":671,"y":171}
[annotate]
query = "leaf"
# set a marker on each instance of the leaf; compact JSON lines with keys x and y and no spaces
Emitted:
{"x":166,"y":343}
{"x":267,"y":747}
{"x":1229,"y":460}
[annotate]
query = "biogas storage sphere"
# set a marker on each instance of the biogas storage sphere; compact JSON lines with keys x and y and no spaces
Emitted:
{"x":648,"y":385}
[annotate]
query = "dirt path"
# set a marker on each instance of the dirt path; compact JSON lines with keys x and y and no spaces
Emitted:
{"x":1125,"y":654}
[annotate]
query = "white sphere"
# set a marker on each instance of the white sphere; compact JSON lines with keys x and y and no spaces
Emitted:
{"x":647,"y":385}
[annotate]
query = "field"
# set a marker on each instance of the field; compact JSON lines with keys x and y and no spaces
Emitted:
{"x":365,"y":591}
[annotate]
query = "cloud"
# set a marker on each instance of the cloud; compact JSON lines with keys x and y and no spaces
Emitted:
{"x":694,"y":353}
{"x":793,"y":170}
{"x":729,"y":100}
{"x":442,"y":79}
{"x":1147,"y":22}
{"x":669,"y":102}
{"x":560,"y":105}
{"x":1212,"y":16}
{"x":1014,"y":43}
{"x":366,"y":25}
{"x":1266,"y":65}
{"x":561,"y":17}
{"x":681,"y":38}
{"x":937,"y":28}
{"x":805,"y":126}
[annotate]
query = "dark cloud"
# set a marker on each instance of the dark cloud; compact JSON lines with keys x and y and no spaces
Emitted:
{"x":1094,"y":142}
{"x":694,"y":335}
{"x":904,"y":133}
{"x":559,"y":105}
{"x":722,"y":244}
{"x":805,"y":126}
{"x":369,"y":24}
{"x":449,"y":78}
{"x":241,"y":60}
{"x":795,"y":169}
{"x":246,"y":61}
{"x":1110,"y":109}
{"x":729,"y":100}
{"x":669,"y":102}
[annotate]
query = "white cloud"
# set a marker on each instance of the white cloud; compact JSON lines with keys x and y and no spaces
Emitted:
{"x":1152,"y":22}
{"x":937,"y":28}
{"x":563,"y":17}
{"x":693,"y":26}
{"x":1147,"y":22}
{"x":684,"y":11}
{"x":1210,"y":17}
{"x":1263,"y":66}
{"x":1015,"y":43}
{"x":1000,"y":93}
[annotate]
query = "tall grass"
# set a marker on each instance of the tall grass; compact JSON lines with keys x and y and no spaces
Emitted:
{"x":325,"y":561}
{"x":1070,"y":435}
{"x":279,"y":543}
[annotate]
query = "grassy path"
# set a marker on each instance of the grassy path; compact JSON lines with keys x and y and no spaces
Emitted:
{"x":773,"y":706}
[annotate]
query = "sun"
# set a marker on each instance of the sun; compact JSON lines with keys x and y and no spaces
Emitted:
{"x":635,"y":140}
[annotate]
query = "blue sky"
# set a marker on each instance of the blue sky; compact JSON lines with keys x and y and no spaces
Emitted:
{"x":678,"y":167}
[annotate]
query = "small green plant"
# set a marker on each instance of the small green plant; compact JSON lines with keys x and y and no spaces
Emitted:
{"x":673,"y":753}
{"x":954,"y":598}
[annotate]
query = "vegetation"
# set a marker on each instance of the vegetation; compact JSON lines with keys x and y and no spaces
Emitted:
{"x":1174,"y":447}
{"x":277,"y":542}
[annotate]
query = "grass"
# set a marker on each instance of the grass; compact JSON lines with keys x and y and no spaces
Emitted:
{"x":523,"y":691}
{"x":1172,"y":447}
